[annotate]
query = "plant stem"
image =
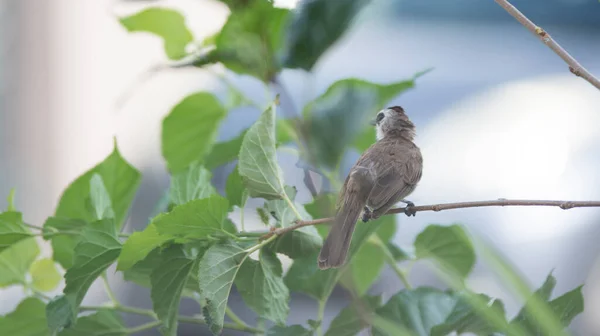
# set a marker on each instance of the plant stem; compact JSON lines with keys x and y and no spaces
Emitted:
{"x":32,"y":226}
{"x":236,"y":319}
{"x":260,"y":245}
{"x":320,"y":314}
{"x":389,"y":258}
{"x":292,"y":206}
{"x":109,"y":291}
{"x":143,"y":327}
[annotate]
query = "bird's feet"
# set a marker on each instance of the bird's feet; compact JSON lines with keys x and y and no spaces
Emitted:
{"x":366,"y":215}
{"x":408,"y":210}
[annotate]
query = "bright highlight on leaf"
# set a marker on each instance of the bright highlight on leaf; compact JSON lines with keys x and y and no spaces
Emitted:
{"x":166,"y":23}
{"x":44,"y":275}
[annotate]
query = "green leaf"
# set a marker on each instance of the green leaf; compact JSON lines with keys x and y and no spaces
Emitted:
{"x":105,"y":322}
{"x":258,"y":160}
{"x":566,"y":307}
{"x":10,"y":200}
{"x":63,"y":246}
{"x":449,"y":245}
{"x":139,"y":245}
{"x":189,"y":131}
{"x":28,"y":319}
{"x":191,"y":184}
{"x":196,"y":219}
{"x":44,"y":275}
{"x":262,"y":288}
{"x":216,"y":274}
{"x":387,"y":230}
{"x":365,"y":268}
{"x":60,"y":313}
{"x":417,"y":310}
{"x":347,"y":106}
{"x":100,"y":198}
{"x":166,"y":23}
{"x":354,"y":318}
{"x":304,"y":275}
{"x":99,"y":248}
{"x":121,"y":181}
{"x":251,"y":38}
{"x":12,"y":229}
{"x":16,"y":260}
{"x":316,"y":26}
{"x":234,"y":188}
{"x":168,"y":281}
{"x":224,"y":152}
{"x":465,"y":319}
{"x":293,"y":330}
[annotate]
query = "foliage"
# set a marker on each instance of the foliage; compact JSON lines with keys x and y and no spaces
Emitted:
{"x":191,"y":247}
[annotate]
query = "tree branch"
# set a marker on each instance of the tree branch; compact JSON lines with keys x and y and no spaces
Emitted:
{"x":565,"y":205}
{"x":574,"y":66}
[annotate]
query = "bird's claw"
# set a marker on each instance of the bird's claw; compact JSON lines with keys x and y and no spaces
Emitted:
{"x":409,"y":209}
{"x":366,"y":215}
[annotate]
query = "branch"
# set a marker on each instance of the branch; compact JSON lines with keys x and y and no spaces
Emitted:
{"x":574,"y":66}
{"x":565,"y":205}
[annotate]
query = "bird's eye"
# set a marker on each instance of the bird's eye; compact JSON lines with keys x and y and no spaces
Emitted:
{"x":379,"y":117}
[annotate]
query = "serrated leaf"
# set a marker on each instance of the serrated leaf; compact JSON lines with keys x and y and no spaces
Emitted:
{"x":251,"y":38}
{"x":262,"y":288}
{"x":565,"y":307}
{"x":258,"y":159}
{"x":465,"y":319}
{"x":365,"y":268}
{"x":568,"y":306}
{"x":235,"y":190}
{"x":105,"y":322}
{"x":28,"y":319}
{"x":299,"y":243}
{"x":12,"y":229}
{"x":99,"y":248}
{"x":347,"y":106}
{"x":189,"y":131}
{"x":216,"y":273}
{"x":315,"y":27}
{"x":448,"y":245}
{"x":166,"y":23}
{"x":191,"y":184}
{"x":281,"y":210}
{"x":16,"y":260}
{"x":293,"y":330}
{"x":417,"y":310}
{"x":354,"y":318}
{"x":195,"y":219}
{"x":100,"y":198}
{"x":63,"y":245}
{"x":138,"y":245}
{"x":60,"y":313}
{"x":44,"y":275}
{"x":168,"y":281}
{"x":121,"y":181}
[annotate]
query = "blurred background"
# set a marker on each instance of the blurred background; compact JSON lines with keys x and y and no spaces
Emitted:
{"x":500,"y":116}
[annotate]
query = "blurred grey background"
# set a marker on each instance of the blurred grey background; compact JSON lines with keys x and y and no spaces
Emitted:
{"x":500,"y":116}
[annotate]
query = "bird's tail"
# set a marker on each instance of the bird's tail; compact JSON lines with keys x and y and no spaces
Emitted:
{"x":335,"y":248}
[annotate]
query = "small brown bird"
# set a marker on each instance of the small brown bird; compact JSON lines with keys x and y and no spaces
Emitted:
{"x":386,"y":173}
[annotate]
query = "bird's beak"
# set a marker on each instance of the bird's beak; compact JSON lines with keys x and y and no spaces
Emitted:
{"x":373,"y":122}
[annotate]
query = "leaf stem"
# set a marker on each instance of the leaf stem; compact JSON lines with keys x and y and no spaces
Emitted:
{"x":143,"y":327}
{"x":389,"y":258}
{"x":292,"y":206}
{"x":234,"y":318}
{"x":260,"y":245}
{"x":109,"y":291}
{"x":320,"y":314}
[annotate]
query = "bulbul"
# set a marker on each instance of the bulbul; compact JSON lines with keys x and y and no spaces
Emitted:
{"x":385,"y":174}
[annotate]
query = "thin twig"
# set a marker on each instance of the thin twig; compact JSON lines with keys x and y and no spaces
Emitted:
{"x":565,"y":205}
{"x":574,"y":66}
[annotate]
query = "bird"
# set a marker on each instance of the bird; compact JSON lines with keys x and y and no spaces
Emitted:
{"x":385,"y":174}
